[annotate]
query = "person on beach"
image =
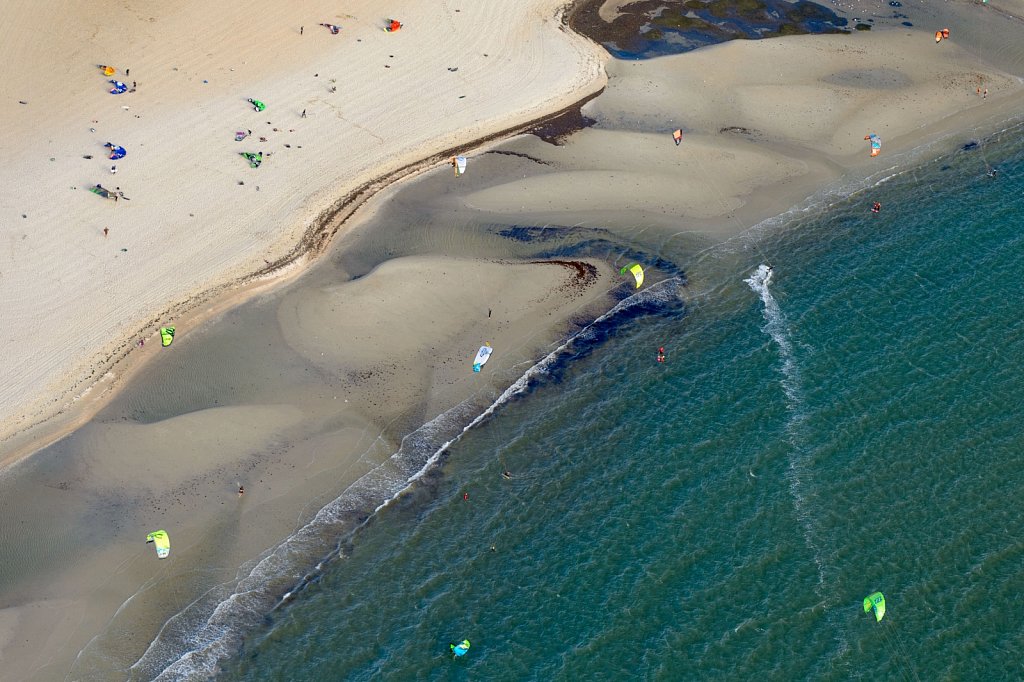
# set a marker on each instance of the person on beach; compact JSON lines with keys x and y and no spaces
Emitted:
{"x":106,"y":231}
{"x":241,"y":490}
{"x":303,"y":113}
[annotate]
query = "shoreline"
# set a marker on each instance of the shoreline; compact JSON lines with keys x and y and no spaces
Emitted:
{"x":50,"y":418}
{"x":600,"y":148}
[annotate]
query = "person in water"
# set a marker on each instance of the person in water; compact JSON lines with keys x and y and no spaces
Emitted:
{"x":661,"y":354}
{"x":876,"y":207}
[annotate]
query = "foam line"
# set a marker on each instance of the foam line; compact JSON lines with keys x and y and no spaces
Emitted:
{"x":777,"y":328}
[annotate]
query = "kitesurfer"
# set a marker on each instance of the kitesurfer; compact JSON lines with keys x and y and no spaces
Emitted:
{"x":876,"y":207}
{"x":507,"y":475}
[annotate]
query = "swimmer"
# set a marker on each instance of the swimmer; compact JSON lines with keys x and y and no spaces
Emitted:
{"x":876,"y":207}
{"x":661,"y":354}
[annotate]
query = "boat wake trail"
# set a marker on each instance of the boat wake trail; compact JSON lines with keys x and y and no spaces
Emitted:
{"x":777,"y":328}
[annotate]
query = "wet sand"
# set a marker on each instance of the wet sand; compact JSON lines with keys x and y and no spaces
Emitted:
{"x":391,"y":315}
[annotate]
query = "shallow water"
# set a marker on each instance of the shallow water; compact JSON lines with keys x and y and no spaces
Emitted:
{"x":642,"y":30}
{"x":850,"y":425}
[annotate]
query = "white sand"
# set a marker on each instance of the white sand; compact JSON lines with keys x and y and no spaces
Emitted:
{"x":71,"y":298}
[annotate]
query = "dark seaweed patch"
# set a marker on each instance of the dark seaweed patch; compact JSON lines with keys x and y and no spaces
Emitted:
{"x":556,"y":129}
{"x":604,"y":329}
{"x":651,"y":28}
{"x":526,"y":234}
{"x":519,"y":154}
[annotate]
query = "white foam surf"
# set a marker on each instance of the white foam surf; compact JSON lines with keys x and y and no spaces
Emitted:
{"x":777,"y":328}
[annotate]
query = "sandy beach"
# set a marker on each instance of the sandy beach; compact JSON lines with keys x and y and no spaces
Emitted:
{"x":196,"y":216}
{"x":342,"y":363}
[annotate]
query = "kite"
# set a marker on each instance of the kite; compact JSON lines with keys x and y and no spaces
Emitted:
{"x":637,"y":271}
{"x":877,"y":602}
{"x":161,"y":541}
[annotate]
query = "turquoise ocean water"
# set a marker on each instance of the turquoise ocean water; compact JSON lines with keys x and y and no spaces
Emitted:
{"x":852,"y":422}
